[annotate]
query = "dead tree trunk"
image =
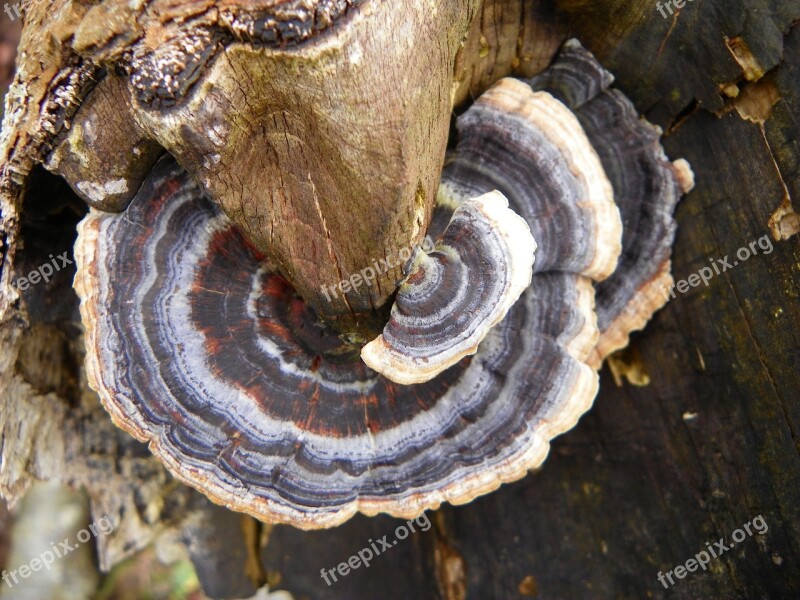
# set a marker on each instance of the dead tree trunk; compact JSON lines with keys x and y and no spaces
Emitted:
{"x":695,"y":430}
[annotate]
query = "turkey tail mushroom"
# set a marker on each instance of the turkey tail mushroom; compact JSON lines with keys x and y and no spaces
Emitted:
{"x":198,"y":345}
{"x":532,"y":149}
{"x":501,"y":148}
{"x":647,"y":187}
{"x":451,"y":298}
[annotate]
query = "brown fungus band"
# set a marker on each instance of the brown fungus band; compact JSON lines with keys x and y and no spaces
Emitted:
{"x":198,"y":347}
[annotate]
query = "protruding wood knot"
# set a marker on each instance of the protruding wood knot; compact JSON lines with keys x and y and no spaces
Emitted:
{"x":163,"y":74}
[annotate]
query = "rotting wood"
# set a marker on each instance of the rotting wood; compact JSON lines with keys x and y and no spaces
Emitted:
{"x":636,"y":488}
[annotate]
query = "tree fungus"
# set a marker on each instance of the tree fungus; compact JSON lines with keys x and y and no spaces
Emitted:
{"x":200,"y":344}
{"x":242,"y":157}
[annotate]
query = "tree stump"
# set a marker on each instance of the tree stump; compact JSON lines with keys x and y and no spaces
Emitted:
{"x":694,"y":432}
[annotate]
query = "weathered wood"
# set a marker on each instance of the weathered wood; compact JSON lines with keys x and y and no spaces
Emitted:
{"x":323,"y":191}
{"x":9,"y":39}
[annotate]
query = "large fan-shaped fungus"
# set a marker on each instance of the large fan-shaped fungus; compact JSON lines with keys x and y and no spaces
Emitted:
{"x":197,"y":345}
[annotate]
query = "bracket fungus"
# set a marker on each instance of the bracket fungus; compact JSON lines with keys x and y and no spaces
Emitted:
{"x":451,"y":298}
{"x":199,"y":343}
{"x":196,"y":346}
{"x":647,"y":187}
